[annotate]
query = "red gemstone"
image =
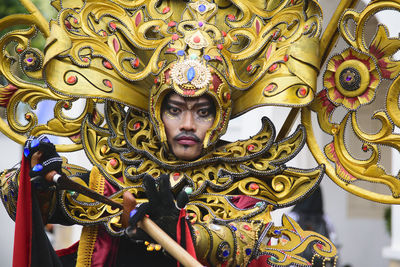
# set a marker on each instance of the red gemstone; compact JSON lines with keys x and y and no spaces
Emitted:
{"x":249,"y":68}
{"x":137,"y":126}
{"x":171,"y":24}
{"x":155,"y":80}
{"x":273,"y":67}
{"x":116,"y":44}
{"x":302,"y":91}
{"x":166,"y":9}
{"x":113,"y":162}
{"x":19,"y":50}
{"x":319,"y":246}
{"x":66,"y":105}
{"x":218,"y":58}
{"x":107,"y":64}
{"x":85,"y":59}
{"x":286,"y":58}
{"x":27,"y":116}
{"x":176,"y":176}
{"x":175,"y":37}
{"x":250,"y":147}
{"x":75,"y":21}
{"x":170,"y":50}
{"x":220,"y":46}
{"x":136,"y":63}
{"x":254,"y":186}
{"x":104,"y":33}
{"x":258,"y":27}
{"x":107,"y":83}
{"x":72,"y":79}
{"x":365,"y":148}
{"x":246,"y":227}
{"x":270,"y":87}
{"x":231,"y":17}
{"x":196,"y":39}
{"x":138,"y":19}
{"x":223,"y":33}
{"x":68,"y":24}
{"x":113,"y":25}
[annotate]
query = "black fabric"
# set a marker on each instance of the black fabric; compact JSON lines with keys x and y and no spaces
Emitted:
{"x":311,"y":205}
{"x":43,"y":253}
{"x":161,"y":208}
{"x":133,"y":254}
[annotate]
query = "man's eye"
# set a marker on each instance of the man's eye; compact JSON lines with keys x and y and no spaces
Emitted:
{"x":174,"y":110}
{"x":204,"y":112}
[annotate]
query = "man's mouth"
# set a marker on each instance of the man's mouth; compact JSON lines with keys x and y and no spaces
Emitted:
{"x":187,"y":140}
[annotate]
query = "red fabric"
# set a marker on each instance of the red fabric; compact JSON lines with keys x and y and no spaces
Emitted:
{"x":188,"y":235}
{"x":261,"y":261}
{"x":67,"y":251}
{"x":23,"y":220}
{"x":105,"y":249}
{"x":244,"y":202}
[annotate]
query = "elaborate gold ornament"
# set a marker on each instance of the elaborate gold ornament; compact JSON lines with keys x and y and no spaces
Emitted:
{"x":126,"y":56}
{"x":352,"y":79}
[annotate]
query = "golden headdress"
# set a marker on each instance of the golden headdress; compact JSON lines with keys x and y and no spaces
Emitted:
{"x":244,"y":52}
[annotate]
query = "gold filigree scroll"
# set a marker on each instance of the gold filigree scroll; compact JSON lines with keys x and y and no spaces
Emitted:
{"x":292,"y":241}
{"x":351,"y":80}
{"x":106,"y":49}
{"x":22,"y":69}
{"x":127,"y":148}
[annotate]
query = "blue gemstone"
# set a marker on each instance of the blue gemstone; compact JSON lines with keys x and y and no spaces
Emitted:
{"x":133,"y":212}
{"x":181,"y":53}
{"x":191,"y":74}
{"x":26,"y":152}
{"x":234,"y":228}
{"x":5,"y":198}
{"x":35,"y":143}
{"x":12,"y":193}
{"x":225,"y":253}
{"x":207,"y":57}
{"x":202,"y":8}
{"x":248,"y":251}
{"x":37,"y":168}
{"x":46,"y":140}
{"x":277,"y":232}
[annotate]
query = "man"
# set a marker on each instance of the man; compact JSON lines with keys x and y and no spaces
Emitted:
{"x":167,"y":81}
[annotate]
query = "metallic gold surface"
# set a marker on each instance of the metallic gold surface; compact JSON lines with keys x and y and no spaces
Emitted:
{"x":351,"y":80}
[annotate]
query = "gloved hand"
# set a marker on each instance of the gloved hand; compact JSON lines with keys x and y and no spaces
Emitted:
{"x":161,"y":208}
{"x":49,"y":160}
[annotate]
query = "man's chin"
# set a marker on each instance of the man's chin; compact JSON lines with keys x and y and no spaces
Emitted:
{"x":190,"y":153}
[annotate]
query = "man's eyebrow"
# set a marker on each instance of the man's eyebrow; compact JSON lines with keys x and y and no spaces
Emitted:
{"x":183,"y":103}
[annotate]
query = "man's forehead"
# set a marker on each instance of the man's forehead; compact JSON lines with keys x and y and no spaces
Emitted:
{"x":175,"y":98}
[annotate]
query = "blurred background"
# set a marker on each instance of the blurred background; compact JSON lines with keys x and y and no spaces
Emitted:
{"x":366,"y":233}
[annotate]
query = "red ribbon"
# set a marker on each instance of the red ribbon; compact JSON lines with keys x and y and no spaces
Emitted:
{"x":23,"y":220}
{"x":188,"y":235}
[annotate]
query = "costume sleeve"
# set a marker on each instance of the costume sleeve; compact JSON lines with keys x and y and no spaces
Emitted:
{"x":9,"y":190}
{"x":47,"y":195}
{"x":231,"y":244}
{"x":260,"y":243}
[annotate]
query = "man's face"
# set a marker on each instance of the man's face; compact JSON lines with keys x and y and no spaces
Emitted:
{"x":186,"y":123}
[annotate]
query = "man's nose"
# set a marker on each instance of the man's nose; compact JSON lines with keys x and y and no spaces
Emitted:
{"x":188,"y":123}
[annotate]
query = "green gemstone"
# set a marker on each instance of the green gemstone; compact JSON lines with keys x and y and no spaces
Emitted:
{"x":188,"y":190}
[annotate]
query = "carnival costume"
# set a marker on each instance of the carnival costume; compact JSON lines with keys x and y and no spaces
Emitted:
{"x":124,"y":57}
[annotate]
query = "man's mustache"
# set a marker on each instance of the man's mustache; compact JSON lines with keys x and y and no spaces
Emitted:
{"x":187,"y":135}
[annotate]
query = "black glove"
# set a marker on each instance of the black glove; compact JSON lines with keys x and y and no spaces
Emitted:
{"x":50,"y":160}
{"x":161,"y":208}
